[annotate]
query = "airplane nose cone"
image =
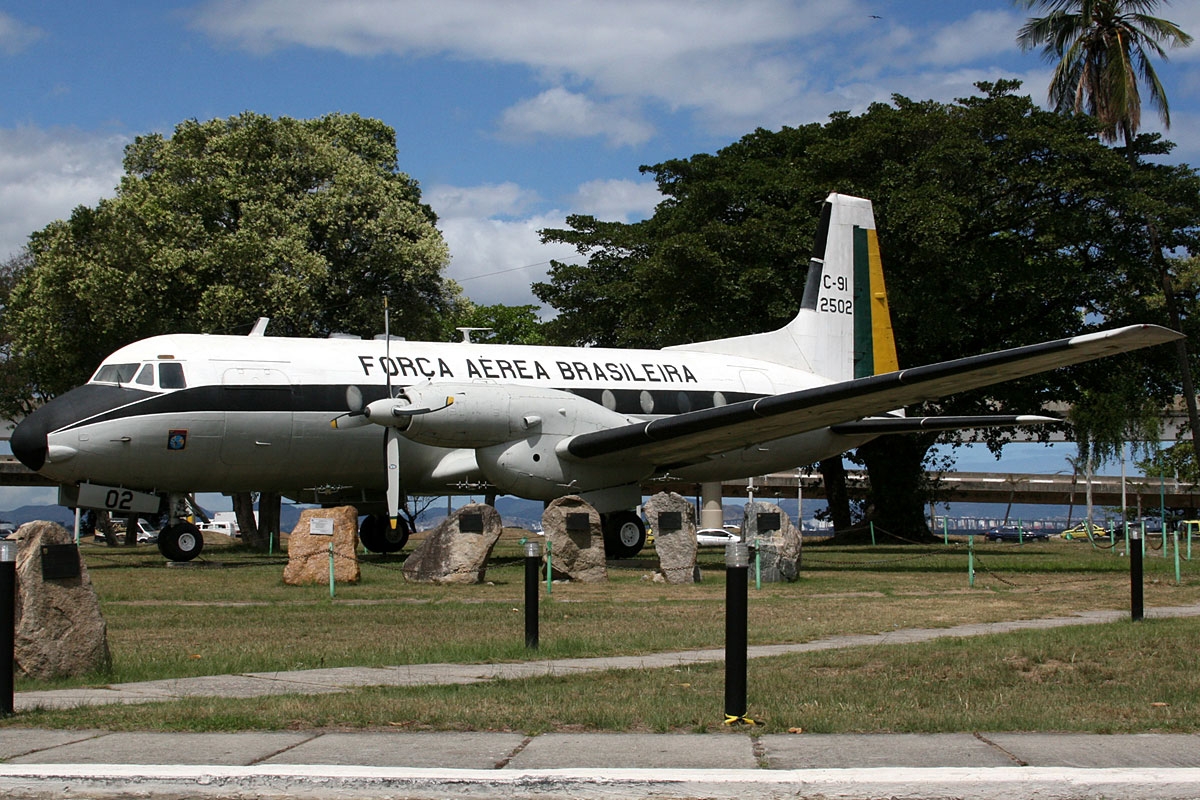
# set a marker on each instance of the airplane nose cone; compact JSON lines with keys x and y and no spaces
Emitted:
{"x":29,"y":442}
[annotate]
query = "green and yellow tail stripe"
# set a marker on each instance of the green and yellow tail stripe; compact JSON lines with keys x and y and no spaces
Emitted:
{"x":874,"y":342}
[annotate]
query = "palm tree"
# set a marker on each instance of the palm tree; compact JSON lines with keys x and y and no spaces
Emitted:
{"x":1102,"y":48}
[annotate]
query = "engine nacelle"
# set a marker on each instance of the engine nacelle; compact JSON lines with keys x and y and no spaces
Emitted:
{"x":482,"y":414}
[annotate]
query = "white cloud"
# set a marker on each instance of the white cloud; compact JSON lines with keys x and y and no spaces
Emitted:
{"x":982,"y":34}
{"x":723,"y":58}
{"x":45,"y":173}
{"x":563,"y":114}
{"x":617,"y":200}
{"x":497,"y":259}
{"x":15,"y":35}
{"x":495,"y":252}
{"x":489,"y":200}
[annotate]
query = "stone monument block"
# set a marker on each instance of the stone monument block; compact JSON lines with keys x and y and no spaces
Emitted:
{"x":59,"y":629}
{"x":308,"y":547}
{"x":767,"y":527}
{"x":457,"y":550}
{"x":576,"y":539}
{"x":672,"y":517}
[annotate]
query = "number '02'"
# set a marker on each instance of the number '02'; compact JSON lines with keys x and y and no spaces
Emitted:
{"x":118,"y":500}
{"x":837,"y":305}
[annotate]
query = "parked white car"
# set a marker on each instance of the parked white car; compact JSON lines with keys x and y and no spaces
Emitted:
{"x":716,"y":537}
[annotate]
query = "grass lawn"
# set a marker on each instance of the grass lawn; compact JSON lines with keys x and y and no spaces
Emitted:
{"x":236,"y":615}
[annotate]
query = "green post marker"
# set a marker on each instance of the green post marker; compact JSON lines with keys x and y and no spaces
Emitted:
{"x":331,"y":580}
{"x":549,"y":571}
{"x":945,"y":530}
{"x":872,"y":533}
{"x":1126,"y":527}
{"x":1189,"y":532}
{"x":971,"y":561}
{"x":1175,"y":537}
{"x":757,"y":565}
{"x":1020,"y":532}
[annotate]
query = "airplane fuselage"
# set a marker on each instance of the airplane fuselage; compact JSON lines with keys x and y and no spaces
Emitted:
{"x":253,"y":413}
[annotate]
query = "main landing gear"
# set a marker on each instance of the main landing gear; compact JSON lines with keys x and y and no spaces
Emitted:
{"x":181,"y":539}
{"x":378,"y":536}
{"x":624,"y":534}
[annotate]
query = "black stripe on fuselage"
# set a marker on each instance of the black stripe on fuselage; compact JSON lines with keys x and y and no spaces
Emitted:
{"x":96,"y":403}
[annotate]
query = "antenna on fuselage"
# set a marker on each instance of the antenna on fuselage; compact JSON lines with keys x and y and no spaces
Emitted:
{"x":260,"y":327}
{"x":466,"y":332}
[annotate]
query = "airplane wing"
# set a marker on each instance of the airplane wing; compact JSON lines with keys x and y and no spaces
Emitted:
{"x":688,"y":438}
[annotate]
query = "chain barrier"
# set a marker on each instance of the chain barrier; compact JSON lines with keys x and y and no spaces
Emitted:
{"x":939,"y":550}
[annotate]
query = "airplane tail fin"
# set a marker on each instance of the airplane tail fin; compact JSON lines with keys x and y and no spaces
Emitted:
{"x":843,"y":329}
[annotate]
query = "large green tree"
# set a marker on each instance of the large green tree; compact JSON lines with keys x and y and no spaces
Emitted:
{"x":308,"y":222}
{"x":1000,"y":224}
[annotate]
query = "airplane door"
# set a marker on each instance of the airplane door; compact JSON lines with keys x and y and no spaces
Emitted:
{"x":258,"y":416}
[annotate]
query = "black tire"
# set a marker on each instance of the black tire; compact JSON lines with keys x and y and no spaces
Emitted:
{"x":182,"y":541}
{"x":624,"y":534}
{"x":378,"y":536}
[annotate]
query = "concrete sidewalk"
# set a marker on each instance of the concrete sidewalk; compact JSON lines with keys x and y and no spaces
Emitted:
{"x":303,"y":764}
{"x":734,"y":763}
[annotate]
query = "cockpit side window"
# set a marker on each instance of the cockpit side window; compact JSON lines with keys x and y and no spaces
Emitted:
{"x":146,"y":376}
{"x":115,"y":373}
{"x":170,"y":375}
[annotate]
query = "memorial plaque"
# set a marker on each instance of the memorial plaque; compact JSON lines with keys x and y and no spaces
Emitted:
{"x":470,"y":523}
{"x":578,"y":523}
{"x":320,"y":526}
{"x":60,"y":562}
{"x":670,"y":521}
{"x":768,"y":522}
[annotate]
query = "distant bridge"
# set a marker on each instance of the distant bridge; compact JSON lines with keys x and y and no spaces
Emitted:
{"x":956,"y":487}
{"x":974,"y":487}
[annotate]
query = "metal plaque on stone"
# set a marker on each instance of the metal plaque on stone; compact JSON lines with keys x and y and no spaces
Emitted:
{"x":768,"y":522}
{"x":670,"y":521}
{"x":60,"y":562}
{"x":470,"y":523}
{"x":578,"y":522}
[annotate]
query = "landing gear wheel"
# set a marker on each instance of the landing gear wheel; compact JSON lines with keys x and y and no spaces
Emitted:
{"x":624,"y":534}
{"x":180,"y":542}
{"x":377,"y":535}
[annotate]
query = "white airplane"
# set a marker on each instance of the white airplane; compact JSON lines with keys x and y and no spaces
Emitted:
{"x":173,"y":415}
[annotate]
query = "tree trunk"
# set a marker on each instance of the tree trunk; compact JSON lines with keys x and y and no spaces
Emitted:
{"x":269,"y":504}
{"x":243,"y":509}
{"x":895,"y":465}
{"x":833,"y":472}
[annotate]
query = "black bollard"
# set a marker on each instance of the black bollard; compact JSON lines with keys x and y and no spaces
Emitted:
{"x":737,"y":565}
{"x":533,"y":556}
{"x":8,"y":587}
{"x":1135,"y":572}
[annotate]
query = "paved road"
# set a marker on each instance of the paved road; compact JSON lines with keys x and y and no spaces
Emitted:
{"x":734,"y":763}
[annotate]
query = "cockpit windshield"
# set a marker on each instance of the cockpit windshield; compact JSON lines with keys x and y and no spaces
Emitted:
{"x":169,"y":373}
{"x":115,"y":373}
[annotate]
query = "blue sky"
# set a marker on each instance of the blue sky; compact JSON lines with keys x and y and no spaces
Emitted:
{"x":511,"y":115}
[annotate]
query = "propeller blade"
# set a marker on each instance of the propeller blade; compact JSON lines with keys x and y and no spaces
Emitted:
{"x":355,"y":417}
{"x":354,"y":399}
{"x":392,"y":451}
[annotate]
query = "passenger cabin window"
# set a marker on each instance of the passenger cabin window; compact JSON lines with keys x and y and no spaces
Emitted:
{"x":170,"y":376}
{"x":146,"y":376}
{"x":115,"y":373}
